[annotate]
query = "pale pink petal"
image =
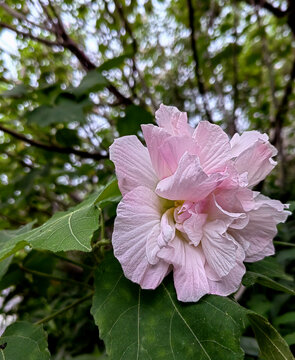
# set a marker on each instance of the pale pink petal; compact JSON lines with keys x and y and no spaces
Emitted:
{"x":269,"y":250}
{"x":173,"y":121}
{"x":239,"y":200}
{"x":230,"y":283}
{"x":189,"y":182}
{"x":213,"y":146}
{"x":190,"y":279}
{"x":132,"y":163}
{"x":235,"y":220}
{"x":256,"y":161}
{"x":154,"y":138}
{"x":193,"y":227}
{"x":240,"y":143}
{"x":167,"y":231}
{"x":172,"y":150}
{"x":138,"y":215}
{"x":219,"y":248}
{"x":261,"y":228}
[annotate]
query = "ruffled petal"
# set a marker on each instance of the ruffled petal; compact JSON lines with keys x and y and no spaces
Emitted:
{"x":154,"y":138}
{"x":173,"y":121}
{"x":261,"y":229}
{"x":219,"y":248}
{"x":256,"y":161}
{"x":213,"y":146}
{"x":138,"y":217}
{"x":231,"y":282}
{"x":190,"y":279}
{"x":189,"y":182}
{"x":193,"y":227}
{"x":132,"y":163}
{"x":240,"y":143}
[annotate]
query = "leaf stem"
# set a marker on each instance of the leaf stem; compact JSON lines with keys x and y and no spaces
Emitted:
{"x":52,"y":277}
{"x":284,"y":243}
{"x":64,"y":258}
{"x":66,"y":308}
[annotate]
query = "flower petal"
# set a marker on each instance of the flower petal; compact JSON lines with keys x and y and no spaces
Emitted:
{"x":173,"y":121}
{"x":189,"y":182}
{"x":256,"y":161}
{"x":219,"y":248}
{"x":231,"y":282}
{"x":213,"y":146}
{"x":138,"y":215}
{"x":240,"y":143}
{"x":193,"y":227}
{"x":132,"y":163}
{"x":190,"y":279}
{"x":261,"y":228}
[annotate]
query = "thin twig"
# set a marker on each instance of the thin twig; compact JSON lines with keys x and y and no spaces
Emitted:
{"x":53,"y":148}
{"x":232,"y":125}
{"x":199,"y":78}
{"x":28,"y":35}
{"x":20,"y":16}
{"x":52,"y":277}
{"x":66,"y":308}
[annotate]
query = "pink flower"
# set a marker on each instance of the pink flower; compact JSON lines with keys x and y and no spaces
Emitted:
{"x":188,"y":206}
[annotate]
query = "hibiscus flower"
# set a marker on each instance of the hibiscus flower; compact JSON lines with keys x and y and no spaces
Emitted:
{"x":188,"y":205}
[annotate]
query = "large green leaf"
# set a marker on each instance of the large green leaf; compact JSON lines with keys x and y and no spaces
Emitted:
{"x":269,"y":267}
{"x":92,"y":81}
{"x":65,"y":111}
{"x":272,"y":345}
{"x":138,"y":324}
{"x":250,"y":278}
{"x":69,"y":230}
{"x":114,"y":63}
{"x":266,"y":272}
{"x":24,"y":341}
{"x":6,"y":235}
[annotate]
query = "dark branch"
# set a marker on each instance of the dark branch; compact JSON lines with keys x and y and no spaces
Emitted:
{"x":283,"y":109}
{"x":200,"y":82}
{"x":52,"y":148}
{"x":266,"y":5}
{"x":28,"y":35}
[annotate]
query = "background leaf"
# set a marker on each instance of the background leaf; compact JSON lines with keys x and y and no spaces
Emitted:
{"x":24,"y":341}
{"x":271,"y":344}
{"x":153,"y":325}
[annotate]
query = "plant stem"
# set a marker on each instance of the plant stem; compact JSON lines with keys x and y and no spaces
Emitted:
{"x":84,"y":266}
{"x":52,"y":277}
{"x":66,"y":308}
{"x":283,"y":243}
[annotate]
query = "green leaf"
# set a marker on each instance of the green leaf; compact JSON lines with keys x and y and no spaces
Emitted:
{"x":142,"y":324}
{"x":70,"y":230}
{"x":270,"y":268}
{"x":114,"y":63}
{"x":110,"y":193}
{"x":134,"y":117}
{"x":93,"y":81}
{"x":68,"y":111}
{"x":287,"y":318}
{"x":17,"y":92}
{"x":67,"y":137}
{"x":6,"y":235}
{"x":271,"y":344}
{"x":24,"y":341}
{"x":250,"y":278}
{"x":290,"y":339}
